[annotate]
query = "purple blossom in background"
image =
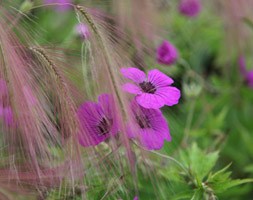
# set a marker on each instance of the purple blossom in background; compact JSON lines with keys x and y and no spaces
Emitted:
{"x":136,"y":198}
{"x":249,"y":78}
{"x":98,"y":121}
{"x":62,"y":4}
{"x":82,"y":30}
{"x":149,"y":127}
{"x":166,"y":53}
{"x":7,"y":115}
{"x":247,"y":75}
{"x":190,"y":8}
{"x":153,"y":90}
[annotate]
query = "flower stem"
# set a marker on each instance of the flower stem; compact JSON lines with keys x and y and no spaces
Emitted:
{"x":188,"y":123}
{"x":105,"y":50}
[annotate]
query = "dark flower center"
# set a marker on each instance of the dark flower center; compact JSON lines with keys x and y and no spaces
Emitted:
{"x":143,"y":122}
{"x":148,"y":87}
{"x":104,"y":126}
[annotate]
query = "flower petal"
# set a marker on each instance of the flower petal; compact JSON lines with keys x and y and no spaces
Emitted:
{"x":133,"y":74}
{"x":150,"y":139}
{"x":147,"y":100}
{"x":166,"y":53}
{"x":190,"y":8}
{"x":8,"y":116}
{"x":131,"y":88}
{"x":155,"y":131}
{"x":158,"y":122}
{"x":107,"y":103}
{"x":249,"y":78}
{"x":89,"y":115}
{"x":89,"y":111}
{"x":170,"y":95}
{"x":159,"y":79}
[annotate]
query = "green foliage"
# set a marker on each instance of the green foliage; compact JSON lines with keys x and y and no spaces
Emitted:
{"x":221,"y":181}
{"x":199,"y":163}
{"x":196,"y":178}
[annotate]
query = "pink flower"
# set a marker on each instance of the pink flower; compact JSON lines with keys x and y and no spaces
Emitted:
{"x":249,"y":78}
{"x":190,"y":8}
{"x":136,"y":198}
{"x":247,"y":75}
{"x":62,"y":5}
{"x":149,"y":127}
{"x":82,"y":30}
{"x":98,"y":121}
{"x":7,"y":115}
{"x":166,"y":53}
{"x":153,"y":90}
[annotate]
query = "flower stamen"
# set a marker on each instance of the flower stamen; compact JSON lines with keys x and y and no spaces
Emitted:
{"x":148,"y":87}
{"x":143,"y":122}
{"x":104,"y":126}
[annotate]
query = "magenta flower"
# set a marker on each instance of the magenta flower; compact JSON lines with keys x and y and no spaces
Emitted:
{"x":62,"y":5}
{"x":249,"y":78}
{"x":190,"y":8}
{"x":82,"y":30}
{"x":247,"y":75}
{"x":136,"y":198}
{"x":98,"y":121}
{"x":7,"y":115}
{"x":166,"y":53}
{"x":149,"y":127}
{"x":153,"y":91}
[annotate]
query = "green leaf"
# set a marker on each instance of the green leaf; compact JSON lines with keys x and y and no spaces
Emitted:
{"x":198,"y":194}
{"x":201,"y":163}
{"x":182,"y":195}
{"x":221,"y":181}
{"x":219,"y":175}
{"x":222,"y":186}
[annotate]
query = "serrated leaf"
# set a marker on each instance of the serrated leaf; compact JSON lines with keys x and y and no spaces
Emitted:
{"x":201,"y":163}
{"x":222,"y":186}
{"x":183,"y":195}
{"x":221,"y":174}
{"x":198,"y":194}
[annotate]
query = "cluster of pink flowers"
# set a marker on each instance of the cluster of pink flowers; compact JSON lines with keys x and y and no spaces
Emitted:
{"x":147,"y":125}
